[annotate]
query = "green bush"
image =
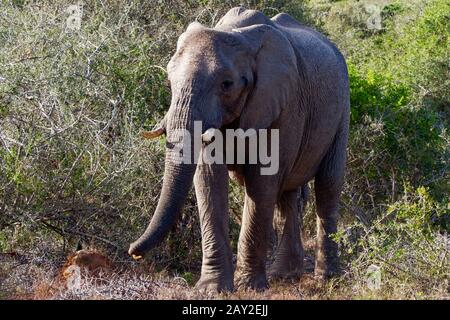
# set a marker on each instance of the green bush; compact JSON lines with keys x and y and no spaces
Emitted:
{"x":409,"y":243}
{"x":409,"y":138}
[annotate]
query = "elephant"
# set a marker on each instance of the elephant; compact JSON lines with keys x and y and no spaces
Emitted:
{"x":255,"y":72}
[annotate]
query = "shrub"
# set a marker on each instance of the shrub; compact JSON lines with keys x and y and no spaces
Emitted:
{"x":409,"y":243}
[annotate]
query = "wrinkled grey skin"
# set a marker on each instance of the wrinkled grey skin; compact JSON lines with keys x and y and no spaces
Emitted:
{"x":286,"y":76}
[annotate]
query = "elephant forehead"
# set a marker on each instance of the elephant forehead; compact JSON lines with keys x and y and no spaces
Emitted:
{"x":206,"y":40}
{"x":199,"y":62}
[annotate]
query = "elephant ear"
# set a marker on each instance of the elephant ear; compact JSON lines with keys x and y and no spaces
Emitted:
{"x":276,"y":79}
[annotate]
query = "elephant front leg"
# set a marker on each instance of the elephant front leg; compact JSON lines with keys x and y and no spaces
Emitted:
{"x":254,"y":240}
{"x":211,"y":188}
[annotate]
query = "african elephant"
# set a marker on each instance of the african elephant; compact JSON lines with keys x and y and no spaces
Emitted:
{"x":250,"y":71}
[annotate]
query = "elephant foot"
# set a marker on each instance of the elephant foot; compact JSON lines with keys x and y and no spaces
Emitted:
{"x":289,"y":268}
{"x":212,"y":284}
{"x":257,"y":282}
{"x":327,"y":259}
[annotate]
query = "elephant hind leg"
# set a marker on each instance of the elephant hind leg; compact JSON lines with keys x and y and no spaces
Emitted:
{"x":328,"y":185}
{"x":260,"y":199}
{"x":288,"y":262}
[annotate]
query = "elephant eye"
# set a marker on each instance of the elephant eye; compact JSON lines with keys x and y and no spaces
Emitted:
{"x":226,"y":85}
{"x":245,"y":80}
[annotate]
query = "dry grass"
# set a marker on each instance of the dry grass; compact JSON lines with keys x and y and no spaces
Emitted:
{"x":23,"y":277}
{"x":29,"y":279}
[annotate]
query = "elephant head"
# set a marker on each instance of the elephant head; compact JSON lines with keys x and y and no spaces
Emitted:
{"x":244,"y":76}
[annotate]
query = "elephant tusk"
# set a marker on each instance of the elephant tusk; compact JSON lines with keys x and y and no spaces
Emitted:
{"x":136,"y":257}
{"x":208,"y":135}
{"x":153,"y":134}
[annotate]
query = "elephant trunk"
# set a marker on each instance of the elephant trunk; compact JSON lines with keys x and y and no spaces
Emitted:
{"x":176,"y":185}
{"x":177,"y":181}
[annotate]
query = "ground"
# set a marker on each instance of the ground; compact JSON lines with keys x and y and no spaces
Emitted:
{"x":27,"y":277}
